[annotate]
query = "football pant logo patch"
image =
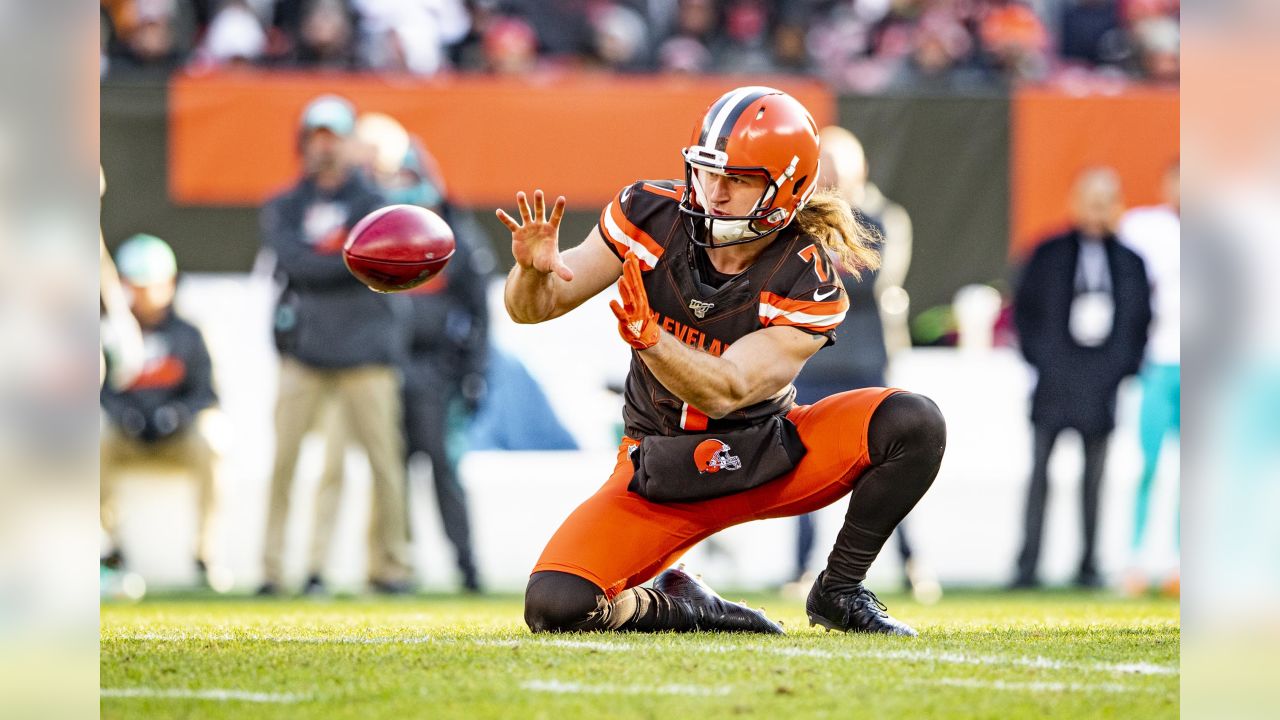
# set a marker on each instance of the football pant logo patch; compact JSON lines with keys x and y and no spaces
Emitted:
{"x":712,"y":456}
{"x":700,"y":308}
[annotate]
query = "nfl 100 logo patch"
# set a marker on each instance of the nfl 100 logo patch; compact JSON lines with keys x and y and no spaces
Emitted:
{"x":700,"y":308}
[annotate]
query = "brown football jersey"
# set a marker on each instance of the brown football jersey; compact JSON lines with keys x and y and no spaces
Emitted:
{"x":792,"y":283}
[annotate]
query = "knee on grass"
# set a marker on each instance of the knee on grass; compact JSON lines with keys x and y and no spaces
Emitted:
{"x":560,"y":602}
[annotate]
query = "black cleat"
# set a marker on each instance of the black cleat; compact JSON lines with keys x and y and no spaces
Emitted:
{"x":858,"y":610}
{"x":268,"y":589}
{"x":712,"y":612}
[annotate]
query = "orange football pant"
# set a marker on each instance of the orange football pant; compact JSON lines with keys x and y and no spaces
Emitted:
{"x":617,"y":539}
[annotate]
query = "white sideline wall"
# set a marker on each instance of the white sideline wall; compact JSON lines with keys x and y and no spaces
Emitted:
{"x":968,"y":527}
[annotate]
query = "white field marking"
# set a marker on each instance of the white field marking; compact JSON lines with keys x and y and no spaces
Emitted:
{"x":1056,"y":687}
{"x":208,"y":694}
{"x":925,"y":656}
{"x":556,"y":686}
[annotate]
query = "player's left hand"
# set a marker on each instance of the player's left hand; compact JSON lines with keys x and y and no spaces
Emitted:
{"x":637,"y":324}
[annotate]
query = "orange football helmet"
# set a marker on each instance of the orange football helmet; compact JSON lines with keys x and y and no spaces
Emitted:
{"x":712,"y":456}
{"x":751,"y":130}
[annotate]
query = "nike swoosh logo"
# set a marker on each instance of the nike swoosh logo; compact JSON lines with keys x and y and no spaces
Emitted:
{"x":820,"y":296}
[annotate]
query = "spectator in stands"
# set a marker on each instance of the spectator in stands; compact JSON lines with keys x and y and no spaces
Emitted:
{"x":410,"y":37}
{"x":941,"y":58}
{"x":621,"y":39}
{"x":1091,"y":32}
{"x":167,"y":413}
{"x":695,"y":39}
{"x":338,"y":341}
{"x":148,"y":35}
{"x":510,"y":47}
{"x":1154,"y":233}
{"x":1082,"y":308}
{"x":1014,"y":41}
{"x":747,"y":47}
{"x":325,"y":37}
{"x":235,"y":36}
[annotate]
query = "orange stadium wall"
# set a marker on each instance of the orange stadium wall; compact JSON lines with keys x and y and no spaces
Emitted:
{"x":1056,"y":135}
{"x":232,"y":136}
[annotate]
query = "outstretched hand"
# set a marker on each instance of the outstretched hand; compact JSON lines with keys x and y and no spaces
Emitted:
{"x":636,"y":322}
{"x":535,"y":240}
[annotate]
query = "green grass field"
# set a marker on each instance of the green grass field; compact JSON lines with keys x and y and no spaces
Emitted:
{"x":1054,"y":654}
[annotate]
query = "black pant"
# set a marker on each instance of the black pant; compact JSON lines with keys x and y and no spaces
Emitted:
{"x":1095,"y":460}
{"x":428,"y":393}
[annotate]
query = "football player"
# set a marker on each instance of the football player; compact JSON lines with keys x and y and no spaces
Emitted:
{"x":728,"y":288}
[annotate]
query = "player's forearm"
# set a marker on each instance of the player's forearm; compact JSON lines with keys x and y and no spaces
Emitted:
{"x":711,"y":384}
{"x":530,"y":295}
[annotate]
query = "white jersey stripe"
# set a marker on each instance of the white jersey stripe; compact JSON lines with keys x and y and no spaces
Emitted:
{"x":617,"y":235}
{"x":771,"y":313}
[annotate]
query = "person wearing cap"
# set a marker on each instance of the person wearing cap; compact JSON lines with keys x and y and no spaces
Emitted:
{"x":338,"y":341}
{"x":167,"y":413}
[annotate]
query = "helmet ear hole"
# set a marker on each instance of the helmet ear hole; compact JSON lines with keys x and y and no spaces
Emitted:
{"x":800,"y":183}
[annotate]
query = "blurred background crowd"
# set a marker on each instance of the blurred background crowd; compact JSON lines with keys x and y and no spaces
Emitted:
{"x":852,"y":45}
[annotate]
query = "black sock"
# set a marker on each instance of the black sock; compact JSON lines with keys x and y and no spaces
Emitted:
{"x":906,"y":438}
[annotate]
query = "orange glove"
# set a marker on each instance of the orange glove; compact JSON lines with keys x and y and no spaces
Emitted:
{"x":637,"y":324}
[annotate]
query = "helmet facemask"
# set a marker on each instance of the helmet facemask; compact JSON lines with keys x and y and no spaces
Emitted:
{"x":710,"y":230}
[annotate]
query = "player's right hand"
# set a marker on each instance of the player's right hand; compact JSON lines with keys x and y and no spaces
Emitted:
{"x":535,"y":240}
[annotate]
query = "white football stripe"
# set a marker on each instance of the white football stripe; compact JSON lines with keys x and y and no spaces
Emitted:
{"x":622,"y":238}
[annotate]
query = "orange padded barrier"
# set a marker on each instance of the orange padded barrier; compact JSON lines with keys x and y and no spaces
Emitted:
{"x":232,"y":136}
{"x":1056,"y":135}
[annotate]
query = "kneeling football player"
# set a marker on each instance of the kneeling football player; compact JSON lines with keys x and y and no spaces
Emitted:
{"x":728,"y":287}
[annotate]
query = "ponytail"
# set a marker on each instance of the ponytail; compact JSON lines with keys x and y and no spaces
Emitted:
{"x":828,"y":219}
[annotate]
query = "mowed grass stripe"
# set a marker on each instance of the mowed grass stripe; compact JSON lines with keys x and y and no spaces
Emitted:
{"x":574,"y":688}
{"x":216,"y":694}
{"x":909,"y":655}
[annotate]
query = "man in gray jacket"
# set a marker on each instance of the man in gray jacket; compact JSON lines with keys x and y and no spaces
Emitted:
{"x":337,"y":339}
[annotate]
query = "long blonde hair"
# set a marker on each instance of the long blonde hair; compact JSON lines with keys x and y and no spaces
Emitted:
{"x":829,"y":219}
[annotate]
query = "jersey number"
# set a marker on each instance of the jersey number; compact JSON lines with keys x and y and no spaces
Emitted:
{"x":810,"y":254}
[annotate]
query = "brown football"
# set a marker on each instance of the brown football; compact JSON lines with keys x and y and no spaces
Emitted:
{"x":398,"y":247}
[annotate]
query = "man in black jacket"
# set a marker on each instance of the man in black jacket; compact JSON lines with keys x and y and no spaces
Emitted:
{"x":165,"y":414}
{"x":1082,"y":309}
{"x":337,"y":339}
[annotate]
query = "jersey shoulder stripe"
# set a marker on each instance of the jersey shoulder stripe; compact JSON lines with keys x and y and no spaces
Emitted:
{"x":812,"y":315}
{"x":627,"y":220}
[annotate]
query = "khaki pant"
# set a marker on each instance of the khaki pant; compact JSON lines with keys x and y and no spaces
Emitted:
{"x":194,"y":451}
{"x":368,"y":400}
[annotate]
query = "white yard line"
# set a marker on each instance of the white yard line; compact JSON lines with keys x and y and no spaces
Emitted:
{"x":216,"y":694}
{"x":1057,"y":687}
{"x":924,"y":656}
{"x":572,"y":688}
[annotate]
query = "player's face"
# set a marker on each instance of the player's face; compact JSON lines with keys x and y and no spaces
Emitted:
{"x":323,"y":151}
{"x":731,"y":194}
{"x":150,"y":302}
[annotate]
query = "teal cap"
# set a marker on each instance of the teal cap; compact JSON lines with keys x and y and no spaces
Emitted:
{"x":146,"y":260}
{"x":330,"y":112}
